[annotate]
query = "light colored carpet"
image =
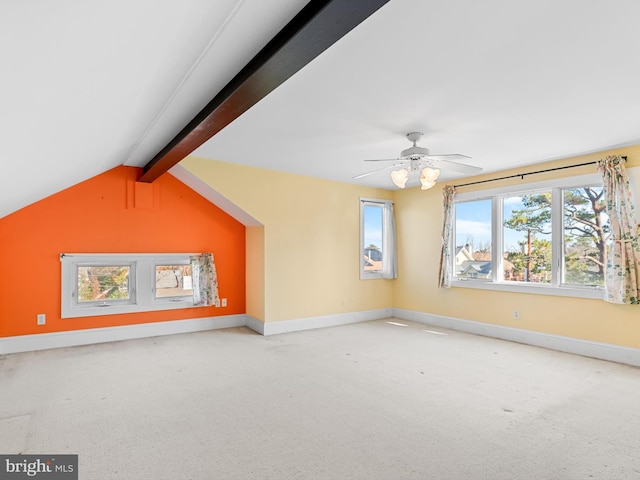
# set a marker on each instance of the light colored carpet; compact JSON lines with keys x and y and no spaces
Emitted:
{"x":365,"y":401}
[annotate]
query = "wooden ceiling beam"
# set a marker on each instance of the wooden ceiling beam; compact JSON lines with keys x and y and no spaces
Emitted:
{"x":314,"y":29}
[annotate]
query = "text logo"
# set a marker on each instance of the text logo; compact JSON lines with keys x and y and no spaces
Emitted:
{"x":49,"y":467}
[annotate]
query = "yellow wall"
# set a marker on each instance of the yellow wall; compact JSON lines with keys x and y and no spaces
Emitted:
{"x":419,"y":220}
{"x":304,"y":261}
{"x":306,"y":258}
{"x":255,"y":272}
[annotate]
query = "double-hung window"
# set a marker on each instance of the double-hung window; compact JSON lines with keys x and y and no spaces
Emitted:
{"x":377,"y":239}
{"x":541,"y":238}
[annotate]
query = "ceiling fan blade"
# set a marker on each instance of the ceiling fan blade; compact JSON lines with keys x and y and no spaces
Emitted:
{"x":376,"y":171}
{"x":383,"y":159}
{"x":446,"y":164}
{"x":448,"y":156}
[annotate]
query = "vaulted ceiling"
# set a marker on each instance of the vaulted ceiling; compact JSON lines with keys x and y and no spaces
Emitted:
{"x":88,"y":86}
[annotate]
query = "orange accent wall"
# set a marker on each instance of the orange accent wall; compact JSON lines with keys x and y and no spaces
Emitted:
{"x":100,"y":216}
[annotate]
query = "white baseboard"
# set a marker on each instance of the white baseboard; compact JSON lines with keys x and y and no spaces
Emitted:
{"x":42,"y":341}
{"x":603,"y":351}
{"x":255,"y":324}
{"x":310,"y":323}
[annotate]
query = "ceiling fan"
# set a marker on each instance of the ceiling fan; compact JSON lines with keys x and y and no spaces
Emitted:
{"x":417,"y":159}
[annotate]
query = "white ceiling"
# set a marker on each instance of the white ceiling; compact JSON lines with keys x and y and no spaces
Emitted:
{"x":87,"y":86}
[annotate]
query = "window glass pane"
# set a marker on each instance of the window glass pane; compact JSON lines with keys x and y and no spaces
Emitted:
{"x":173,"y":281}
{"x":527,"y":238}
{"x":372,"y":238}
{"x":586,"y":230}
{"x":100,"y":283}
{"x":473,"y":240}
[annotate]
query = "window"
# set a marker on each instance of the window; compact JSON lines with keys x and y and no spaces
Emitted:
{"x":377,"y":239}
{"x":101,"y":283}
{"x":550,"y":238}
{"x":526,"y":237}
{"x":473,"y":240}
{"x":586,"y":233}
{"x":124,"y":283}
{"x":173,"y":281}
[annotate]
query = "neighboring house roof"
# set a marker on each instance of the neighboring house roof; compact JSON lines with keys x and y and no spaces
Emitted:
{"x":373,"y":253}
{"x":370,"y":264}
{"x":481,"y":268}
{"x":463,"y":254}
{"x":486,"y":257}
{"x":482,"y":256}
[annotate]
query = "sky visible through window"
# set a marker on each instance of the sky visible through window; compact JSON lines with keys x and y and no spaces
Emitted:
{"x":372,"y":226}
{"x":473,"y":223}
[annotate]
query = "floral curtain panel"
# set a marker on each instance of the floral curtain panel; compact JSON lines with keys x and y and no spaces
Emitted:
{"x":446,"y":262}
{"x":622,"y":274}
{"x":390,"y":264}
{"x":205,"y":280}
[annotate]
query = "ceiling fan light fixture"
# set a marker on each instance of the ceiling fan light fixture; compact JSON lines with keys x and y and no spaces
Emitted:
{"x":430,"y":174}
{"x":428,"y":178}
{"x":400,"y":177}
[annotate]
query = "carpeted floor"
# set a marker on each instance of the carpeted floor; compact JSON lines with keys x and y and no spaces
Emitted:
{"x":370,"y":401}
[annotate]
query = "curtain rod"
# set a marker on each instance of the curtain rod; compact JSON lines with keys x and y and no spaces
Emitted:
{"x":522,"y":175}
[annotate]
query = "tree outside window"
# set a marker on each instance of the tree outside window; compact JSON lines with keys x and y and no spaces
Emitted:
{"x":551,"y":239}
{"x":531,"y":256}
{"x":586,"y":232}
{"x":103,"y":282}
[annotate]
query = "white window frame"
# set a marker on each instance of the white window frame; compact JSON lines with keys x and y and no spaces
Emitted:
{"x":107,"y":263}
{"x":142,"y":283}
{"x":388,"y":243}
{"x":497,"y":281}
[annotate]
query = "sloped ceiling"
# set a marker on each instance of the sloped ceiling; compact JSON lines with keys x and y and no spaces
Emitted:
{"x":88,"y":86}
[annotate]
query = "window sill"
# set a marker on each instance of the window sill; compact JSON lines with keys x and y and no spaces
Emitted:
{"x":575,"y":292}
{"x":375,"y":276}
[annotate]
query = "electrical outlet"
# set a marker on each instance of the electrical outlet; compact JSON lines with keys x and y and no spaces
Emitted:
{"x":41,"y":319}
{"x":516,"y":314}
{"x":224,"y":302}
{"x":217,"y":304}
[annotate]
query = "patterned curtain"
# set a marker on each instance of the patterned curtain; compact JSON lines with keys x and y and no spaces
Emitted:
{"x":390,"y":261}
{"x":622,"y":273}
{"x":205,"y":280}
{"x":446,"y":261}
